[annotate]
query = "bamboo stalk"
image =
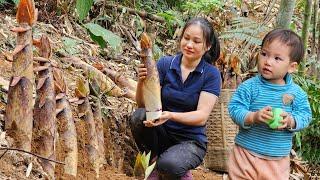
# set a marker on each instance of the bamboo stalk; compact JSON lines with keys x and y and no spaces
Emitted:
{"x":151,"y":85}
{"x":19,"y":115}
{"x":44,"y":131}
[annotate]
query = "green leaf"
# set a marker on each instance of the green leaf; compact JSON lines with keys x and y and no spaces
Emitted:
{"x":138,"y":167}
{"x":83,"y":8}
{"x":102,"y":35}
{"x":149,"y":170}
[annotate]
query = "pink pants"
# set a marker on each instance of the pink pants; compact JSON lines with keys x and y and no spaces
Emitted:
{"x":244,"y":165}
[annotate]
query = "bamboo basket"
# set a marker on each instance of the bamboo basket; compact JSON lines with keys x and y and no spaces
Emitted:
{"x":221,"y":131}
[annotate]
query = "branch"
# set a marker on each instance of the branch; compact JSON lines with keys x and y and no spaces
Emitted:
{"x":142,"y":14}
{"x":38,"y":156}
{"x":132,"y":38}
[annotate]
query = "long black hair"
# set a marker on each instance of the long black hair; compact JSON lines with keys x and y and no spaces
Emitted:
{"x":209,"y":36}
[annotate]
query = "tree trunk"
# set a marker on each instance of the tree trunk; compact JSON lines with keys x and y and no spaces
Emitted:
{"x":314,"y":28}
{"x":285,"y":13}
{"x":19,"y":116}
{"x":305,"y":33}
{"x":151,"y":85}
{"x":44,"y":131}
{"x":66,"y":127}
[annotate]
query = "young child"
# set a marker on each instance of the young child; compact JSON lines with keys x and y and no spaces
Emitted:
{"x":261,"y":152}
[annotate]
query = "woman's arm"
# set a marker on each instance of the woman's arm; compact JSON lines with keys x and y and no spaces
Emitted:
{"x":201,"y":115}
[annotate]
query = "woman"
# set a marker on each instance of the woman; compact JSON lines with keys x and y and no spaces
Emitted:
{"x":190,"y":86}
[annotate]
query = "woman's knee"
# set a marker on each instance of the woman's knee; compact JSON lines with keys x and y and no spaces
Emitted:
{"x":171,"y":167}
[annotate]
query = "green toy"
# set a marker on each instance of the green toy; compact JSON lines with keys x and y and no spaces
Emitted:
{"x":275,"y":121}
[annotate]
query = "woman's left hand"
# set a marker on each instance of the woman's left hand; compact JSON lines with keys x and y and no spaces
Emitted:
{"x":166,"y":115}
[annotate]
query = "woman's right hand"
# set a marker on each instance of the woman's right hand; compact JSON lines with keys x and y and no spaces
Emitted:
{"x":142,"y":72}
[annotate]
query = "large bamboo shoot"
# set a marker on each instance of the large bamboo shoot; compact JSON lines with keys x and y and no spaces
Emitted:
{"x":44,"y":131}
{"x":19,"y":115}
{"x":151,"y":85}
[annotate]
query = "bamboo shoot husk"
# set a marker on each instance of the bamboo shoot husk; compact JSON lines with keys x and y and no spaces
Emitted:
{"x":151,"y":85}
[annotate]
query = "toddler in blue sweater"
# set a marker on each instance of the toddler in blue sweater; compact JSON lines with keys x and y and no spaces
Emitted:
{"x":262,"y":152}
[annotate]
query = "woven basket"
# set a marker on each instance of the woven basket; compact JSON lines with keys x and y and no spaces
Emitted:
{"x":221,"y":132}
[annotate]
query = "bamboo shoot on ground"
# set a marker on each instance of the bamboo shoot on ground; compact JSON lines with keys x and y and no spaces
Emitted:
{"x":85,"y":113}
{"x":151,"y":85}
{"x":66,"y":126}
{"x":19,"y":115}
{"x":44,"y":130}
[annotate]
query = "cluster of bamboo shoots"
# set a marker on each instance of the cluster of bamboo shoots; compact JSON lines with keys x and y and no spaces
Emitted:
{"x":35,"y":126}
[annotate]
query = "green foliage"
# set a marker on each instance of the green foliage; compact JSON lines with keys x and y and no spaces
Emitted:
{"x":246,"y":30}
{"x":201,"y":6}
{"x":103,"y":36}
{"x":307,"y":141}
{"x":83,"y":8}
{"x":173,"y":19}
{"x":141,"y":166}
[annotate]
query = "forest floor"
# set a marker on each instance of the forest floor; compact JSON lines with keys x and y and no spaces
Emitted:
{"x":120,"y":147}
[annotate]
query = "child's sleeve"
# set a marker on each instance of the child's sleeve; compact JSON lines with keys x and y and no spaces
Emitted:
{"x":301,"y":112}
{"x":239,"y":104}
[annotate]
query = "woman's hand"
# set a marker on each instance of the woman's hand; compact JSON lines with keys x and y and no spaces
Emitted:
{"x":166,"y":115}
{"x":142,"y":72}
{"x":287,"y":122}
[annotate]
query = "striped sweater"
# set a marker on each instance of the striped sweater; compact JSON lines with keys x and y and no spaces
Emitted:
{"x":256,"y":93}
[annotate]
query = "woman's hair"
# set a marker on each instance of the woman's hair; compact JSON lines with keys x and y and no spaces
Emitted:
{"x":209,"y":36}
{"x":288,"y":38}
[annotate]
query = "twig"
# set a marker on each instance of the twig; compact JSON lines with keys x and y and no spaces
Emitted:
{"x":142,"y":14}
{"x":132,"y":38}
{"x":38,"y":156}
{"x":4,"y":153}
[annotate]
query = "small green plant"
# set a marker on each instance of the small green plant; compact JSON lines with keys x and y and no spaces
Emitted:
{"x":141,"y":166}
{"x":307,"y":141}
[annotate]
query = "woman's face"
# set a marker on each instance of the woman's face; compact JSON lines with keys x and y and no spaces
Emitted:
{"x":193,"y":45}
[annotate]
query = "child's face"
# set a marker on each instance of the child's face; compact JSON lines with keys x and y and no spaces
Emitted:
{"x":274,"y":62}
{"x":192,"y":43}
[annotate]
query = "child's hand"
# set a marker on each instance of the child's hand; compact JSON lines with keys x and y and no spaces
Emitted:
{"x":287,"y":122}
{"x":142,"y":72}
{"x":263,"y":115}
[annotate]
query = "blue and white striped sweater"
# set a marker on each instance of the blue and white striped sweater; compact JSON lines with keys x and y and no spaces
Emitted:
{"x":256,"y":93}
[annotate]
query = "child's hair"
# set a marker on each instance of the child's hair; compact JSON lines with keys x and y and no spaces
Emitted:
{"x":209,"y":36}
{"x":289,"y":38}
